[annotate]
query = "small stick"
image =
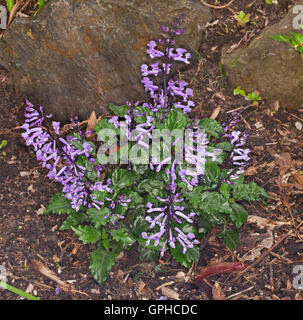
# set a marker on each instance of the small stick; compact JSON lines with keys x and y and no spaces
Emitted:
{"x":238,"y":293}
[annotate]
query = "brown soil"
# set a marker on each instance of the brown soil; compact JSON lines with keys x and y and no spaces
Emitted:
{"x":26,"y":235}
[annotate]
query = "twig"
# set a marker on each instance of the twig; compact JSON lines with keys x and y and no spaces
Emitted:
{"x":295,"y":116}
{"x":238,"y":293}
{"x":217,"y":7}
{"x":25,"y":5}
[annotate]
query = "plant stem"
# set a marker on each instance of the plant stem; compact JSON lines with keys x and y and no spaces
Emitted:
{"x":18,"y":291}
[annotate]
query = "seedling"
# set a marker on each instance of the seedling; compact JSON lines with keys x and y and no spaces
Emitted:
{"x":242,"y":18}
{"x":3,"y":144}
{"x":252,"y":96}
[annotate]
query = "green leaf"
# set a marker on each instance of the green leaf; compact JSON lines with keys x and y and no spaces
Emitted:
{"x":122,"y":178}
{"x":139,"y":115}
{"x":137,"y":222}
{"x":281,"y":38}
{"x":224,"y":190}
{"x":103,"y":124}
{"x":153,"y":188}
{"x":212,"y":127}
{"x":59,"y":204}
{"x":120,"y":111}
{"x":239,"y":91}
{"x":250,"y":192}
{"x":178,"y":255}
{"x":194,"y":254}
{"x":10,"y":4}
{"x":101,"y":262}
{"x":195,"y":195}
{"x":205,"y":225}
{"x":3,"y":143}
{"x":40,"y":5}
{"x":185,"y":260}
{"x":214,"y":202}
{"x":226,"y":146}
{"x":134,"y":196}
{"x":212,"y":171}
{"x":97,"y":217}
{"x":87,"y":234}
{"x":238,"y":215}
{"x":73,"y":220}
{"x":176,"y":119}
{"x":232,"y":239}
{"x":147,"y":254}
{"x":122,"y":235}
{"x":140,"y":168}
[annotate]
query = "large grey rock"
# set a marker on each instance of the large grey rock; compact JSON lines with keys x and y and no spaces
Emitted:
{"x":77,"y":56}
{"x":269,"y":66}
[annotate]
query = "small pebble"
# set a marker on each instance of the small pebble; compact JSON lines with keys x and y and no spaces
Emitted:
{"x":298,"y":125}
{"x":24,"y":173}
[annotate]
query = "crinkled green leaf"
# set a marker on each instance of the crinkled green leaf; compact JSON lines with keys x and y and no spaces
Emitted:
{"x":147,"y":254}
{"x":185,"y":260}
{"x":120,"y":111}
{"x":212,"y":127}
{"x":225,"y":190}
{"x":59,"y":204}
{"x":214,"y":202}
{"x":175,"y":119}
{"x":250,"y":192}
{"x":101,"y":262}
{"x":73,"y":220}
{"x":226,"y":146}
{"x":123,"y":235}
{"x":212,"y":171}
{"x":97,"y":216}
{"x":238,"y":215}
{"x":122,"y":178}
{"x":103,"y":124}
{"x":87,"y":234}
{"x":232,"y":239}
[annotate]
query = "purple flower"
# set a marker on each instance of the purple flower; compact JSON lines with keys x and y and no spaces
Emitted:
{"x":114,"y":121}
{"x":179,"y":54}
{"x":149,"y":85}
{"x":155,"y":70}
{"x":153,"y":53}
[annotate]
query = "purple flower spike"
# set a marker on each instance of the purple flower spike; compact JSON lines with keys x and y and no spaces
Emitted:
{"x":165,"y":216}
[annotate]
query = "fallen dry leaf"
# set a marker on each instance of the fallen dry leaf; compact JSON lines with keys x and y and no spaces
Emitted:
{"x":217,"y":292}
{"x":169,"y":293}
{"x":91,"y":124}
{"x":45,"y":271}
{"x":267,"y":238}
{"x":299,"y":178}
{"x":283,"y":160}
{"x":165,"y":285}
